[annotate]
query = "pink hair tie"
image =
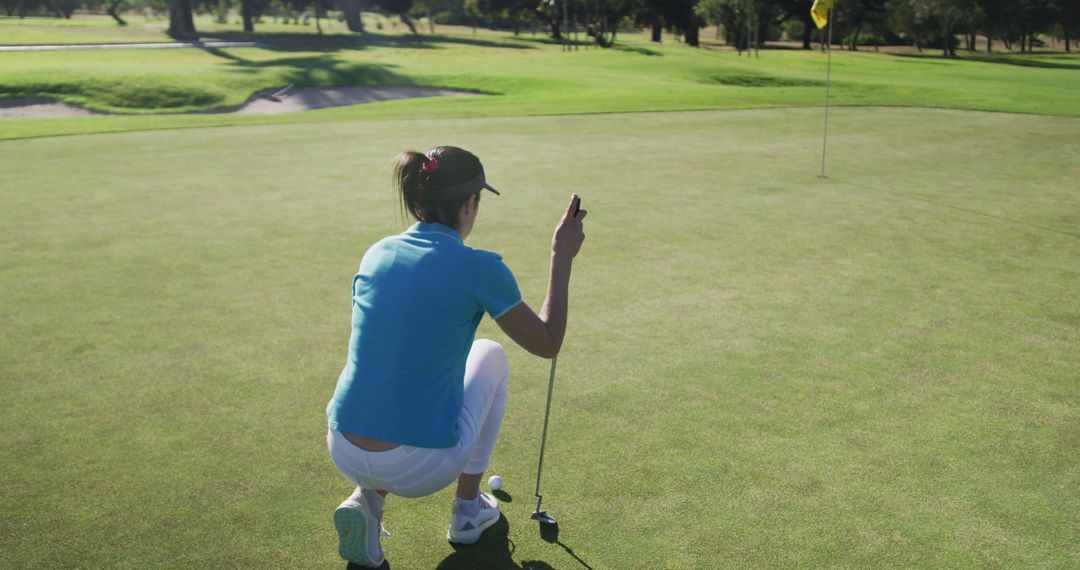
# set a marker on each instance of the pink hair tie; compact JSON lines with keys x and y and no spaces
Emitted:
{"x":430,"y":165}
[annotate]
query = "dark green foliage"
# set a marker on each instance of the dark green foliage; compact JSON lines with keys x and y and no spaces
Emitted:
{"x":853,"y":17}
{"x":681,"y":18}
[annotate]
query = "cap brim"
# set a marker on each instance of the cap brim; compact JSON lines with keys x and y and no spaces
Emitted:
{"x":475,"y":185}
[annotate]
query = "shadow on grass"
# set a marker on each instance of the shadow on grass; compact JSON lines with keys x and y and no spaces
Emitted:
{"x":218,"y":52}
{"x":327,"y":70}
{"x":749,"y":80}
{"x":290,"y":41}
{"x":1041,"y":62}
{"x":639,"y":50}
{"x":493,"y":550}
{"x":546,"y":40}
{"x":783,"y":47}
{"x":352,"y":566}
{"x":1038,"y":61}
{"x":312,"y":70}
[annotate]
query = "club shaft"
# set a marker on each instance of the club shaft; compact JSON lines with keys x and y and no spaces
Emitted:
{"x":543,"y":437}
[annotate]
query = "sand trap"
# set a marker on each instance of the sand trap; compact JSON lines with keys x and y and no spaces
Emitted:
{"x":32,"y":108}
{"x":287,"y":100}
{"x":307,"y":98}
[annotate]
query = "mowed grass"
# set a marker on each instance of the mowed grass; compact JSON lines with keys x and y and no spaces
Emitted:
{"x":512,"y":76}
{"x":762,"y":369}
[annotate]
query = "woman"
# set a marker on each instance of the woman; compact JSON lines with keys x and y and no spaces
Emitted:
{"x":419,"y":404}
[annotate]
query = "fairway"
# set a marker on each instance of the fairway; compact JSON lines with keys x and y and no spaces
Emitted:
{"x":762,"y":369}
{"x":514,"y":76}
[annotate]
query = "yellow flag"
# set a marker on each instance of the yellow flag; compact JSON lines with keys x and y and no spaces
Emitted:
{"x":820,"y":12}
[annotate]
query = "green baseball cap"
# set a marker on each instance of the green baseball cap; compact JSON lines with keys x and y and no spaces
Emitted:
{"x":455,"y":172}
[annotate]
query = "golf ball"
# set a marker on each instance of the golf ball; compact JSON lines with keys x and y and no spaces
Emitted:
{"x":495,"y":482}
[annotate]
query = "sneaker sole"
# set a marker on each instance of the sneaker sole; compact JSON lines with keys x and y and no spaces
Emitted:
{"x":352,"y":536}
{"x":473,"y":535}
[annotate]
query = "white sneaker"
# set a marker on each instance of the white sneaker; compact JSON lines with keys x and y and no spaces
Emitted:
{"x":359,"y":523}
{"x":467,"y":522}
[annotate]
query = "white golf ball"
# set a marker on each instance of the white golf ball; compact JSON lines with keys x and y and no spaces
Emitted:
{"x":495,"y":482}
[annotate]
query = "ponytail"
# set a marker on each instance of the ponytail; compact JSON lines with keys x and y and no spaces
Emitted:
{"x":419,"y":196}
{"x":407,"y":181}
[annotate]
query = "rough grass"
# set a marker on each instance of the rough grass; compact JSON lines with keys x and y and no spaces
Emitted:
{"x":763,"y":368}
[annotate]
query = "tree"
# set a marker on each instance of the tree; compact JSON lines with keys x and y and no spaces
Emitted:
{"x":512,"y":10}
{"x":681,"y":18}
{"x":949,"y":15}
{"x":113,"y":9}
{"x":649,"y":15}
{"x":548,"y":11}
{"x":800,"y":10}
{"x":429,"y":7}
{"x":1032,"y":17}
{"x":401,"y":9}
{"x":996,"y":20}
{"x":247,"y":13}
{"x":904,"y":20}
{"x":350,"y":10}
{"x":181,"y":24}
{"x":853,"y":16}
{"x":1017,"y":21}
{"x":733,"y":15}
{"x":1068,"y":18}
{"x":602,"y":23}
{"x":63,"y":8}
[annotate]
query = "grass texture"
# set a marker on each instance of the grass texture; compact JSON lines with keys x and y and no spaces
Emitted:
{"x":762,"y":368}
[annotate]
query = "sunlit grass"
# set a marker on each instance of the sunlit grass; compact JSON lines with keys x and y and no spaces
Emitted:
{"x":762,"y":368}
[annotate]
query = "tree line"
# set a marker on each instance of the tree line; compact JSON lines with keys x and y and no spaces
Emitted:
{"x":941,"y":24}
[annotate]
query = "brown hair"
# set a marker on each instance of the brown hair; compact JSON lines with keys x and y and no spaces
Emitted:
{"x":420,"y":196}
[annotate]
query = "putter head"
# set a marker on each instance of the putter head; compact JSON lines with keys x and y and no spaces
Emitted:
{"x":544,"y":518}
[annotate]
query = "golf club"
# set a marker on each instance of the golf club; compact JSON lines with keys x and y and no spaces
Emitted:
{"x":541,"y":515}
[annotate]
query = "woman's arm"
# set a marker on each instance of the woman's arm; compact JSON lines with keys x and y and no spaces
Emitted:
{"x":542,"y":334}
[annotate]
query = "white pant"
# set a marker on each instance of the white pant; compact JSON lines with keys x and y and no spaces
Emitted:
{"x":409,"y":471}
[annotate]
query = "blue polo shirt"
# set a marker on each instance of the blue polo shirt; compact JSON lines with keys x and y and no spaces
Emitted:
{"x":416,"y":302}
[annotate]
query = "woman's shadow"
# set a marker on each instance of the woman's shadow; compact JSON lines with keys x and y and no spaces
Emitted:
{"x":494,"y":550}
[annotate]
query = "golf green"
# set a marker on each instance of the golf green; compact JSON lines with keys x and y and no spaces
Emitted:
{"x":763,"y":368}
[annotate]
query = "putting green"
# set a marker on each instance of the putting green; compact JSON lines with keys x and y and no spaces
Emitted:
{"x":762,"y":369}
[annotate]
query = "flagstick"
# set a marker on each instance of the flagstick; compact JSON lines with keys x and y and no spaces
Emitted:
{"x":828,"y":70}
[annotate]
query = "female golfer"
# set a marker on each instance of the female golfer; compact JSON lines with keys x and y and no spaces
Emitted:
{"x":419,"y":403}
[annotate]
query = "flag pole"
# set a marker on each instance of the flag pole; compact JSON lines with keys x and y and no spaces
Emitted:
{"x":828,"y":71}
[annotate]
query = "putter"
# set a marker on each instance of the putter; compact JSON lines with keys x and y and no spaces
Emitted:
{"x":541,"y":515}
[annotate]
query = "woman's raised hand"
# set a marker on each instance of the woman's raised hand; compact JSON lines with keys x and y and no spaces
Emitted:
{"x":570,"y":232}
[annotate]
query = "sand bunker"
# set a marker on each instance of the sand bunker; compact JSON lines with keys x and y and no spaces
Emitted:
{"x":287,"y":100}
{"x":29,"y":108}
{"x":307,"y":98}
